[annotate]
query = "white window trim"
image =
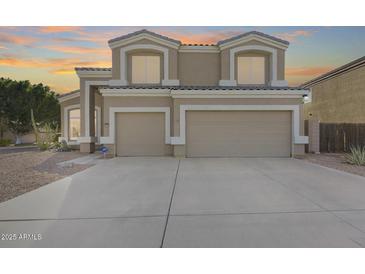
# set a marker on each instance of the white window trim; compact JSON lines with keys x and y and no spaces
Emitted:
{"x":123,"y":65}
{"x":66,"y":116}
{"x":112,"y":115}
{"x":273,"y":58}
{"x":297,"y":138}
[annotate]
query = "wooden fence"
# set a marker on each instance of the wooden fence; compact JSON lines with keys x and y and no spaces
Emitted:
{"x":339,"y":137}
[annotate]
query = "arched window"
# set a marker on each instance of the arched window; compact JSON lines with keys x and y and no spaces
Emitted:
{"x":74,"y":124}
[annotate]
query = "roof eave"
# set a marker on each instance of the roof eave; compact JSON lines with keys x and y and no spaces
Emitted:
{"x":333,"y":73}
{"x":114,"y":43}
{"x":267,"y":40}
{"x":93,"y":73}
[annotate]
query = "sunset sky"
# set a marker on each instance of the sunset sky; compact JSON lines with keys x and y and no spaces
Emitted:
{"x":49,"y":54}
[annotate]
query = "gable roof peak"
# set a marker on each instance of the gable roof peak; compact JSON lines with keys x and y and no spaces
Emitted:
{"x":144,"y":31}
{"x":258,"y":33}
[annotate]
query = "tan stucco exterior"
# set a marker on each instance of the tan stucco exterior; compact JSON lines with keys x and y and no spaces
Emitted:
{"x":199,"y":69}
{"x":339,"y":99}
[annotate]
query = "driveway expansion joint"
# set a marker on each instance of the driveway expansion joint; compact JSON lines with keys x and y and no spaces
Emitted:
{"x":81,"y":218}
{"x":172,"y":197}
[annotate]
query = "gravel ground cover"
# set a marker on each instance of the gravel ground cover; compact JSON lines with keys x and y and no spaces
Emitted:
{"x":25,"y":171}
{"x":336,"y":161}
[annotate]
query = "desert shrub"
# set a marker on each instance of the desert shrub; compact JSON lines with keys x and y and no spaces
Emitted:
{"x":356,"y":156}
{"x":48,"y":138}
{"x":5,"y":142}
{"x":63,"y":146}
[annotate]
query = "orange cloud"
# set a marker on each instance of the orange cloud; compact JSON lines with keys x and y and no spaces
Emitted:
{"x":54,"y":65}
{"x":50,"y":29}
{"x":79,"y":50}
{"x":292,"y":36}
{"x":17,"y":39}
{"x":307,"y":71}
{"x":63,"y":71}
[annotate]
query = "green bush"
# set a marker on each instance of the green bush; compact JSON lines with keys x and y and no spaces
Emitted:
{"x":5,"y":142}
{"x":356,"y":156}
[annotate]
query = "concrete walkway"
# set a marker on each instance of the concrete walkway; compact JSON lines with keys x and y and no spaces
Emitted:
{"x":166,"y":202}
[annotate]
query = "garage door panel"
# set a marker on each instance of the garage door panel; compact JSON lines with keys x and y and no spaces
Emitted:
{"x":238,"y":134}
{"x":141,"y":134}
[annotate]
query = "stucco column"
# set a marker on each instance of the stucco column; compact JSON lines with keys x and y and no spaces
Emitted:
{"x":87,"y":107}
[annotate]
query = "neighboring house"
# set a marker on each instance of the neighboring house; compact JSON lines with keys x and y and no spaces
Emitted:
{"x":339,"y":95}
{"x":162,"y":97}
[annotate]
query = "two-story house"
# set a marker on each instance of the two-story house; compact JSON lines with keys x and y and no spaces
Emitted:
{"x":162,"y":97}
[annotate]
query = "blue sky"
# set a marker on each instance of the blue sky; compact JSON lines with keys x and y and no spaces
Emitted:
{"x":49,"y":54}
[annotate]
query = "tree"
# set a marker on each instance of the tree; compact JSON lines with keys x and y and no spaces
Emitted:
{"x":18,"y":112}
{"x":4,"y":85}
{"x":17,"y":100}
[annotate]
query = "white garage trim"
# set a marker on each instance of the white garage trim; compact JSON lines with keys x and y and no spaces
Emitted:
{"x":113,"y":110}
{"x":181,"y":140}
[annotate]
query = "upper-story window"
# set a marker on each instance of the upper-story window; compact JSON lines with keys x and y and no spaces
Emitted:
{"x":146,"y":69}
{"x":251,"y":70}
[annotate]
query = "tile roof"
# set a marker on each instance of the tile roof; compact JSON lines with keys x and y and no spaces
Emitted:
{"x":255,"y":33}
{"x":146,"y":32}
{"x":353,"y":64}
{"x":92,"y":69}
{"x":69,"y":93}
{"x":200,"y":45}
{"x":209,"y":87}
{"x":193,"y":88}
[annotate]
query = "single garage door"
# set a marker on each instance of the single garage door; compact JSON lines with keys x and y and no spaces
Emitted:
{"x":141,"y":134}
{"x":238,"y":133}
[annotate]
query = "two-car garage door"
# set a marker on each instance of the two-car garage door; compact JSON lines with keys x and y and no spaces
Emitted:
{"x":208,"y":134}
{"x":238,"y":134}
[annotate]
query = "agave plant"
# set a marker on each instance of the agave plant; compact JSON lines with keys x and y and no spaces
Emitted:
{"x":356,"y":156}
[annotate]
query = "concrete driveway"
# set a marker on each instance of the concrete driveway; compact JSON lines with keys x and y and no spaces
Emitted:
{"x":166,"y":202}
